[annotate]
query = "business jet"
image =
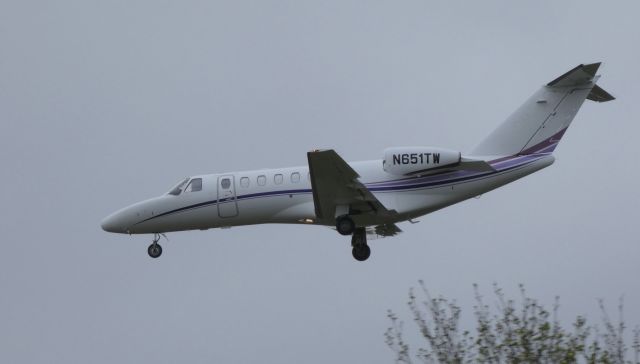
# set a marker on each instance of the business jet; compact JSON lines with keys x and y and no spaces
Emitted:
{"x":369,"y":198}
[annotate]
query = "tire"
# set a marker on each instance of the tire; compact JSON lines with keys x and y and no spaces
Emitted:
{"x":154,"y":250}
{"x":361,"y":252}
{"x":345,"y":225}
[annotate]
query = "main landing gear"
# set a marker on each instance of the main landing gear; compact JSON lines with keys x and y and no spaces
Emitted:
{"x":345,"y":225}
{"x":360,"y":249}
{"x":155,"y":250}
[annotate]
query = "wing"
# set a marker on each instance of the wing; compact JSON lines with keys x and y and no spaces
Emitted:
{"x":335,"y":185}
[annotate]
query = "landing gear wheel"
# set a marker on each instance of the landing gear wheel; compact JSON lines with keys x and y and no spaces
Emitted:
{"x":345,"y":225}
{"x":154,"y":250}
{"x":361,"y":252}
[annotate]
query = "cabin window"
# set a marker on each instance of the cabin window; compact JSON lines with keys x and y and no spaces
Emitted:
{"x":295,"y":177}
{"x":277,"y":179}
{"x":195,"y":185}
{"x":244,"y":182}
{"x":225,"y":183}
{"x":178,"y":188}
{"x":262,"y":180}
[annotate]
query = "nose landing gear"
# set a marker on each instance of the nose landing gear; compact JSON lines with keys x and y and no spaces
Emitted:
{"x":155,"y":250}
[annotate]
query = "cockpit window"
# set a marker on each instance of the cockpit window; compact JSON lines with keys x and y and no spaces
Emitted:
{"x":195,"y":185}
{"x":178,"y":188}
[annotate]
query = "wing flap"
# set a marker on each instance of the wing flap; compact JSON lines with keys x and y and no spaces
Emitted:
{"x":580,"y":75}
{"x":382,"y":231}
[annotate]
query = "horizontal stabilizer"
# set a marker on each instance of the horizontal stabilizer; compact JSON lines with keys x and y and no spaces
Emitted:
{"x":580,"y":75}
{"x":599,"y":95}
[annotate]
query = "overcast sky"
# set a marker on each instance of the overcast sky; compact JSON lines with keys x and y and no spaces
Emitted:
{"x":105,"y":103}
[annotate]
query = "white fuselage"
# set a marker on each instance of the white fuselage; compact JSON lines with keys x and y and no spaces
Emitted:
{"x":285,"y":196}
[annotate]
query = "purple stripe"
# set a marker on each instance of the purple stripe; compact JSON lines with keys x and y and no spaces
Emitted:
{"x":553,"y":140}
{"x":455,"y":177}
{"x":548,"y":149}
{"x":476,"y":176}
{"x":546,"y":146}
{"x":448,"y":176}
{"x":228,"y":199}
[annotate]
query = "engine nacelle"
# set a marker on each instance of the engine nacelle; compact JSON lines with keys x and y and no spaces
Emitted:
{"x":411,"y":160}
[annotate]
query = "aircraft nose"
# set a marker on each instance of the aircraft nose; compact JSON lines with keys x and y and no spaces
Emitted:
{"x":114,"y":224}
{"x":127,"y":220}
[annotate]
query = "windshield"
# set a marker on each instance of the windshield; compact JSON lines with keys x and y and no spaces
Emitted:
{"x":178,"y":188}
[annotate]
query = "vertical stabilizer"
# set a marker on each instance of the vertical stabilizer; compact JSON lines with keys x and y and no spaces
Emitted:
{"x":538,"y":125}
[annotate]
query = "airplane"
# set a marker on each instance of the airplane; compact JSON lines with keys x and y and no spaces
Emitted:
{"x":369,"y":198}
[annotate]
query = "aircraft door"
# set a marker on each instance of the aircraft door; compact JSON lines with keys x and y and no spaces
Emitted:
{"x":227,"y":200}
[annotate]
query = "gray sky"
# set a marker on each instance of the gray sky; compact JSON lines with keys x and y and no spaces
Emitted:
{"x":106,"y":103}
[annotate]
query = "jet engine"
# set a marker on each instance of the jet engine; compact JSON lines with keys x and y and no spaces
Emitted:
{"x":412,"y":160}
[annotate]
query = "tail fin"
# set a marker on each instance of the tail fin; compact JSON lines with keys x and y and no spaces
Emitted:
{"x":538,"y":125}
